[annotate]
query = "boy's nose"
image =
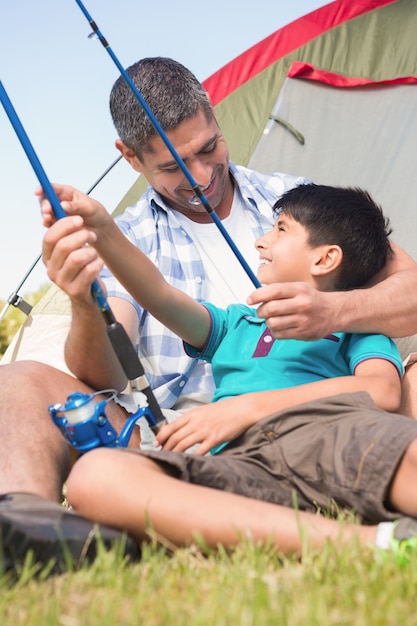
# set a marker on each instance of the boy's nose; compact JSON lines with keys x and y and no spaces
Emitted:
{"x":259,"y":244}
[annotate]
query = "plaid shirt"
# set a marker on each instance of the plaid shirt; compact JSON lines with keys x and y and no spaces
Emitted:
{"x":153,"y":227}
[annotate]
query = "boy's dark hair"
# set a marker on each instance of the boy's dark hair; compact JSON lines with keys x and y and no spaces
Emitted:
{"x":347,"y":217}
{"x":170,"y":90}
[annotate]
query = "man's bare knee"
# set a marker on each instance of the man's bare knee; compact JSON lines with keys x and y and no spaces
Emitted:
{"x":37,"y":459}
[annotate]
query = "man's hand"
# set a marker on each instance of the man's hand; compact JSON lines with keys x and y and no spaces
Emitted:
{"x":297,"y":310}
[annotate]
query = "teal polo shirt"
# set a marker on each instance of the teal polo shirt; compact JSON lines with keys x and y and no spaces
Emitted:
{"x":245,"y":357}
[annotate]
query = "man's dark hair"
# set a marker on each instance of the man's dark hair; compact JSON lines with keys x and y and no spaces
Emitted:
{"x":170,"y":90}
{"x":347,"y":217}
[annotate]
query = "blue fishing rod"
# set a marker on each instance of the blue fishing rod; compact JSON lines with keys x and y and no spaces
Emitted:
{"x":197,"y":190}
{"x":82,"y":421}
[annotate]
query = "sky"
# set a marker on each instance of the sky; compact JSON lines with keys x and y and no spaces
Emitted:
{"x":59,"y":80}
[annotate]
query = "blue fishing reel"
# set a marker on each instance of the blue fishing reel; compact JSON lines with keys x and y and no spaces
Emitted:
{"x":85,"y":425}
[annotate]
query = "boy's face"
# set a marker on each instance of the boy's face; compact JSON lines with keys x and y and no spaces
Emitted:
{"x":203,"y":149}
{"x":285,"y":255}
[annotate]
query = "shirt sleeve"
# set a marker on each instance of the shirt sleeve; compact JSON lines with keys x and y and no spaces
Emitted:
{"x":218,"y":329}
{"x":364,"y":347}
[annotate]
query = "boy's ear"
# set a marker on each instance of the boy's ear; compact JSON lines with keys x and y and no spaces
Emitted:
{"x":328,"y":258}
{"x":129,"y":155}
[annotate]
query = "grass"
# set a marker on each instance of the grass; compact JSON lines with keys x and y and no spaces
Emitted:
{"x":252,"y":586}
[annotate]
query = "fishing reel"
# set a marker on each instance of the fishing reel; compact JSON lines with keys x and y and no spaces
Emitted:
{"x":84,"y":423}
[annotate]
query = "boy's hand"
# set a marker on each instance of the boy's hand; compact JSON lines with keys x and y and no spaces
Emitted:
{"x":71,"y":261}
{"x":73,"y":202}
{"x":208,"y":425}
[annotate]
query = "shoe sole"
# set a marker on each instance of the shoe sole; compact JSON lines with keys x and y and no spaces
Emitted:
{"x":52,"y":533}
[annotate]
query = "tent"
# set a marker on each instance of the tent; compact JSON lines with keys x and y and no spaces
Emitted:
{"x":331,"y":96}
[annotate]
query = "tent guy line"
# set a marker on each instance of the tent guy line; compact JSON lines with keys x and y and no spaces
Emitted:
{"x":15,"y":299}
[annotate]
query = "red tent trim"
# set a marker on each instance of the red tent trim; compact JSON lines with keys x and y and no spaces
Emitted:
{"x":309,"y":72}
{"x":283,"y":41}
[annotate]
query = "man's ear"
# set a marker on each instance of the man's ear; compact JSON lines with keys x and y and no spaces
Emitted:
{"x":129,"y":155}
{"x":328,"y":258}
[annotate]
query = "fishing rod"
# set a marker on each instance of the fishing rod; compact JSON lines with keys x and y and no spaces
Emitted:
{"x":15,"y":299}
{"x":197,"y":190}
{"x":118,"y":336}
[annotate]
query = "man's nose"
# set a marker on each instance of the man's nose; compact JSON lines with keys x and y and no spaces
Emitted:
{"x":201,"y":172}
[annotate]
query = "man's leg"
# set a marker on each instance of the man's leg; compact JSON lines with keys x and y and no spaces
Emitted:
{"x":35,"y":457}
{"x":142,"y":493}
{"x":34,"y":463}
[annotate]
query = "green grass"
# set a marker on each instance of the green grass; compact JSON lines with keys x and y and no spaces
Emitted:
{"x":252,"y":586}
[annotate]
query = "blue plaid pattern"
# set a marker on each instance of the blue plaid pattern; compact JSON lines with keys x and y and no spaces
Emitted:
{"x":153,"y":227}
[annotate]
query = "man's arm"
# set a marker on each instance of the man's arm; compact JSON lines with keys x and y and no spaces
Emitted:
{"x":213,"y":424}
{"x":389,"y":307}
{"x":88,"y":351}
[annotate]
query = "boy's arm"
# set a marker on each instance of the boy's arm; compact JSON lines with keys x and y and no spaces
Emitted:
{"x":225,"y":420}
{"x":172,"y":307}
{"x":65,"y":253}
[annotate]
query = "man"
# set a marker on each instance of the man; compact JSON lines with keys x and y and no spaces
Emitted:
{"x":179,"y":237}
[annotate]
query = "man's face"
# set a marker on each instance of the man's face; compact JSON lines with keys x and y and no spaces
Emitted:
{"x":203,"y":149}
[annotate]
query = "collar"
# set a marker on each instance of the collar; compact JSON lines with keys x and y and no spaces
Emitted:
{"x":242,"y":185}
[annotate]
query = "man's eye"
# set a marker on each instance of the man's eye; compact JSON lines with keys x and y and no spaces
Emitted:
{"x":210,"y":149}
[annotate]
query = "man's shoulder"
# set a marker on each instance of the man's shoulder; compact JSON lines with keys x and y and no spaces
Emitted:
{"x":145,"y":213}
{"x":277,"y":182}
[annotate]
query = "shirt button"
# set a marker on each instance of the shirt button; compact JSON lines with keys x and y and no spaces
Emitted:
{"x":198,"y":279}
{"x":267,"y":338}
{"x":182,"y":383}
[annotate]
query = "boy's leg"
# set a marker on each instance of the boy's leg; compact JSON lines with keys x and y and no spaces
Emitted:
{"x":129,"y":491}
{"x":403,"y":491}
{"x":409,"y":392}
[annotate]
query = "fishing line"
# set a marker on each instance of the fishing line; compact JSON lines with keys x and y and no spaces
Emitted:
{"x":118,"y":336}
{"x":15,"y":299}
{"x":199,"y":195}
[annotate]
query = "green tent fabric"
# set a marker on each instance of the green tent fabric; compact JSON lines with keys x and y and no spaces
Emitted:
{"x":331,"y":96}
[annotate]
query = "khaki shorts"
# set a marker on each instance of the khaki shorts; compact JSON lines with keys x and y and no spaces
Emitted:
{"x":341,"y":449}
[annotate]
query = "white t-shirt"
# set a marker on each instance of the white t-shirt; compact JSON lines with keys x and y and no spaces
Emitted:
{"x":221,"y":290}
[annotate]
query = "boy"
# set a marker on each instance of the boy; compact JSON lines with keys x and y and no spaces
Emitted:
{"x":334,"y":239}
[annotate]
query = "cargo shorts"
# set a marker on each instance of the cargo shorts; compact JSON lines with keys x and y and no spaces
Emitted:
{"x":340,"y":450}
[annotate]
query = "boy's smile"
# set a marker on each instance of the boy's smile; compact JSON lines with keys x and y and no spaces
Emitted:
{"x":284,"y":253}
